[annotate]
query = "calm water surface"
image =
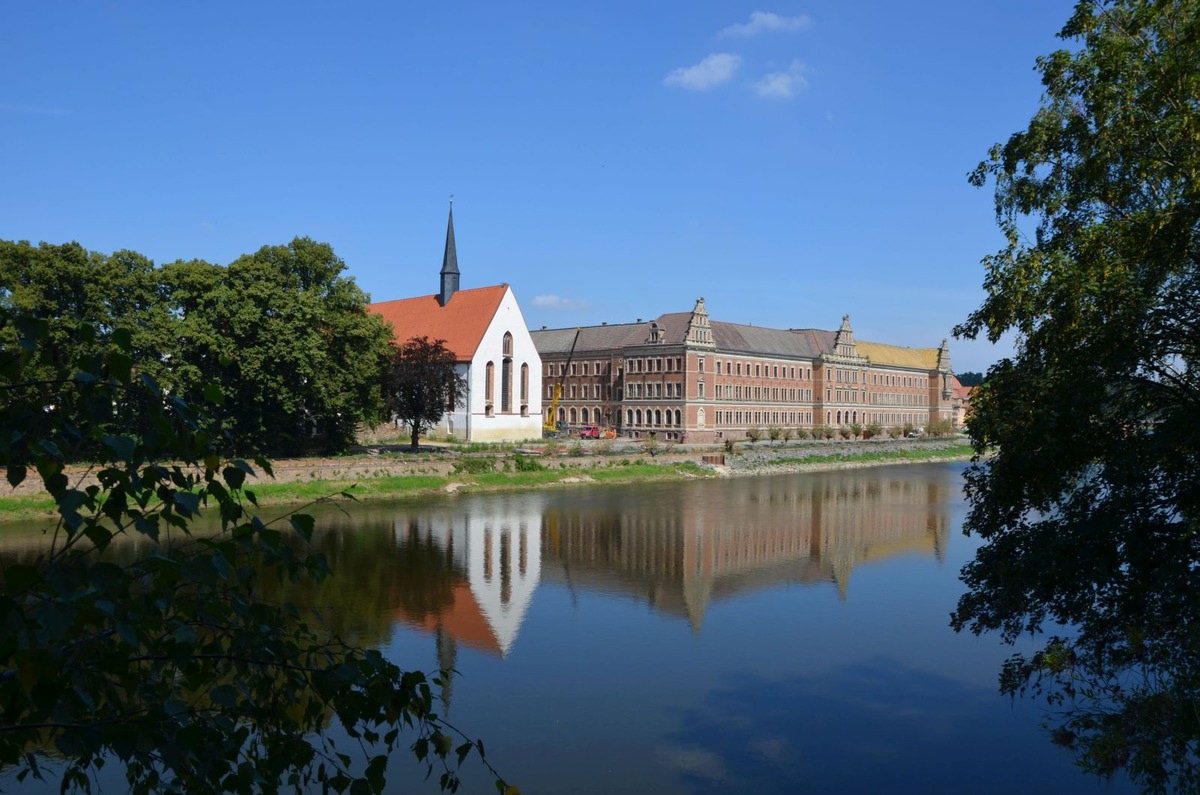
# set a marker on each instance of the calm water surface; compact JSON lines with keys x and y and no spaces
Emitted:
{"x":777,"y":634}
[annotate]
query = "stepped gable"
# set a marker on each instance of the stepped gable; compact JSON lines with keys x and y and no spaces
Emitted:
{"x":460,"y":322}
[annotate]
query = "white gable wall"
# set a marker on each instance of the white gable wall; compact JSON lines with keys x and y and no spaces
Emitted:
{"x":474,"y":422}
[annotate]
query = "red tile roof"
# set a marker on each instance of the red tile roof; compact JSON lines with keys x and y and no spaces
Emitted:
{"x":461,"y":322}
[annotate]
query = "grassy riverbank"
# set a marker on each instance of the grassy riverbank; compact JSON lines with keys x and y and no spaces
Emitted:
{"x":517,"y":473}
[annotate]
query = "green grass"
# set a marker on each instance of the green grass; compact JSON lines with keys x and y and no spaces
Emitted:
{"x":407,"y":487}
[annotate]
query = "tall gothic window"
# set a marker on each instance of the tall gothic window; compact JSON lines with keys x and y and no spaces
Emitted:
{"x":489,"y":387}
{"x":525,"y":389}
{"x":506,"y":375}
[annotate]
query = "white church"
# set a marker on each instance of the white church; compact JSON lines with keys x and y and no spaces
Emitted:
{"x":486,"y":331}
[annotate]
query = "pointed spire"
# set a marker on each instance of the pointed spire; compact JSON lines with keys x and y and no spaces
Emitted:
{"x":449,"y":261}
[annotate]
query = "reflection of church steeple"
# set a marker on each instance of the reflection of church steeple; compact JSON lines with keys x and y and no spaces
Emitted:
{"x":447,"y":658}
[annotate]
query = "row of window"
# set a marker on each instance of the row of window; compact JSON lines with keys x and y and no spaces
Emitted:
{"x":728,"y":367}
{"x":760,"y":370}
{"x":489,"y":387}
{"x":640,"y":390}
{"x":737,"y":419}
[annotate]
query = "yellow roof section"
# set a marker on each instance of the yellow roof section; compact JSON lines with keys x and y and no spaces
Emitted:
{"x":896,"y":356}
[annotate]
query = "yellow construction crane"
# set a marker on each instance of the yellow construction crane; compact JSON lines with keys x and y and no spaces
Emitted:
{"x":551,"y":426}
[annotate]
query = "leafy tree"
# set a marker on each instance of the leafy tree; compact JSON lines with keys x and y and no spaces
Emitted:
{"x":1089,"y":504}
{"x":420,"y":383}
{"x":172,"y":664}
{"x":288,"y":338}
{"x":970,"y":378}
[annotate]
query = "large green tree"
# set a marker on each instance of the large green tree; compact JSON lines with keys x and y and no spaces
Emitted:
{"x":288,"y":336}
{"x":1089,"y":499}
{"x":283,"y":332}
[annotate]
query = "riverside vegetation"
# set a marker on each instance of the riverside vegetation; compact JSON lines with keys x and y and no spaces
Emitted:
{"x":405,"y":476}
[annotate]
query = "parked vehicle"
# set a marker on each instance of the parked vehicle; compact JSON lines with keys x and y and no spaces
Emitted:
{"x":589,"y":432}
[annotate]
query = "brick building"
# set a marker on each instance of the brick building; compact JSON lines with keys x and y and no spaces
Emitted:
{"x":685,"y":377}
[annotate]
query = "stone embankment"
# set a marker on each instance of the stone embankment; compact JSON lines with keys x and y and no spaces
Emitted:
{"x":393,"y":461}
{"x":764,"y":457}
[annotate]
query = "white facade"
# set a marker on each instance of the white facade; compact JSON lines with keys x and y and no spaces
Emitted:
{"x":488,"y":414}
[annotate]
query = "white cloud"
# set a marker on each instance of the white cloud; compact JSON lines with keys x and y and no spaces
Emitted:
{"x":712,"y":71}
{"x":558,"y":302}
{"x":762,"y":21}
{"x":783,"y":84}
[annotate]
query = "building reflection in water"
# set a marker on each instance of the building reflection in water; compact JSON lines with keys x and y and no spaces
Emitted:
{"x":676,"y":546}
{"x":494,"y":560}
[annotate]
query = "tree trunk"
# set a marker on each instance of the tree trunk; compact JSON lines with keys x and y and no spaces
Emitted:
{"x":416,"y":432}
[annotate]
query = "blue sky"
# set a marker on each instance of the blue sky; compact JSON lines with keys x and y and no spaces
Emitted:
{"x":789,"y":162}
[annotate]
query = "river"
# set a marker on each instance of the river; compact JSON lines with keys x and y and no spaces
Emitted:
{"x":770,"y":634}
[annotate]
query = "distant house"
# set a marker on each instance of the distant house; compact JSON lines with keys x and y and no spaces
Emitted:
{"x":486,"y":331}
{"x":962,"y":402}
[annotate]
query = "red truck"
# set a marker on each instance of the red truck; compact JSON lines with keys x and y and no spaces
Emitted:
{"x":589,"y":432}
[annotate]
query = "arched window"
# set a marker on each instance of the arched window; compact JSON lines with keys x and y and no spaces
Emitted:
{"x":596,"y":415}
{"x":508,"y":348}
{"x":572,"y":416}
{"x":678,"y":417}
{"x":639,"y":416}
{"x":524,"y":390}
{"x":629,"y":416}
{"x":489,"y":387}
{"x":658,"y":416}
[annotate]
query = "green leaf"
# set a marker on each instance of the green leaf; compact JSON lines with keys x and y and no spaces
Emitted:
{"x":214,"y":394}
{"x":303,"y":524}
{"x":15,"y":474}
{"x":234,"y":476}
{"x":123,"y":447}
{"x":120,"y":366}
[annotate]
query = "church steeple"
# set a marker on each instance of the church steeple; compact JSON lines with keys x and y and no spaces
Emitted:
{"x":449,"y":261}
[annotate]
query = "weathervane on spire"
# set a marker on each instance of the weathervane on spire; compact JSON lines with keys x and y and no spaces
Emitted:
{"x":451,"y":201}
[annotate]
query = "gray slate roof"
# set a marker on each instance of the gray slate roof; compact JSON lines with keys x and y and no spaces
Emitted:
{"x":729,"y":338}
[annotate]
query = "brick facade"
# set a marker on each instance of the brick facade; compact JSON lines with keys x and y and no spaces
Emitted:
{"x":687,"y":379}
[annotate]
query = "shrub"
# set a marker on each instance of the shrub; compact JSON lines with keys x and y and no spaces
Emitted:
{"x":843,"y":432}
{"x":788,"y":433}
{"x":774,"y":432}
{"x":522,"y":463}
{"x":475,"y":466}
{"x":873,"y":429}
{"x":940,"y":427}
{"x":729,"y":445}
{"x":753,"y":434}
{"x":803,"y":433}
{"x":856,"y":429}
{"x":576,"y":450}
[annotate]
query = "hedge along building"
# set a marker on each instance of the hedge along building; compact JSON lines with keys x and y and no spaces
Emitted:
{"x":485,"y":330}
{"x":684,"y":377}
